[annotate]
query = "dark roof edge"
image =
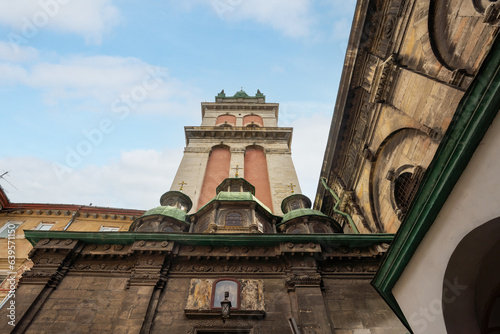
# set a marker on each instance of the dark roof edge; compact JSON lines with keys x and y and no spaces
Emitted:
{"x":357,"y":31}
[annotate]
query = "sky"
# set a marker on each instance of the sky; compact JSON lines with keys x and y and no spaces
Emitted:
{"x":94,"y":95}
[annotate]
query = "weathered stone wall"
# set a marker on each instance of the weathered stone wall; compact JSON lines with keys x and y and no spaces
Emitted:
{"x":93,"y":304}
{"x":151,"y":287}
{"x":355,"y":307}
{"x":171,"y":318}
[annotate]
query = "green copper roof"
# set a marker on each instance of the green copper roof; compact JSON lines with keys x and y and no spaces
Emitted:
{"x":168,"y":211}
{"x":255,"y":239}
{"x":241,"y":94}
{"x":300,"y":213}
{"x":236,"y":197}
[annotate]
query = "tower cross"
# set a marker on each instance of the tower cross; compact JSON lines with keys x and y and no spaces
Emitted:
{"x":237,"y":168}
{"x":291,"y":186}
{"x":182,"y":185}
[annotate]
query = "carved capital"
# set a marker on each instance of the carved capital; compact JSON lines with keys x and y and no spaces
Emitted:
{"x":368,"y":154}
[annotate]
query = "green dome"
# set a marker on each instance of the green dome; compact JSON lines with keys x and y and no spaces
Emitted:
{"x":300,"y":213}
{"x":168,"y":211}
{"x":241,"y":94}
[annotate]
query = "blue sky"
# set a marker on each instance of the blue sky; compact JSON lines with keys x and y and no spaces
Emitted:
{"x":94,"y":95}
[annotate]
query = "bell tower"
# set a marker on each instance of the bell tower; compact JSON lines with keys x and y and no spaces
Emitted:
{"x":238,"y":137}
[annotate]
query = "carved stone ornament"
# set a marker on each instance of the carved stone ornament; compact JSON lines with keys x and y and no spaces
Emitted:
{"x":158,"y":246}
{"x":290,"y":247}
{"x":384,"y":80}
{"x":351,"y":268}
{"x":368,"y":154}
{"x":490,"y":10}
{"x":293,"y":281}
{"x":228,"y":268}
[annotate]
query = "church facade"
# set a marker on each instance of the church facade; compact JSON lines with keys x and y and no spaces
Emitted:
{"x":408,"y":64}
{"x":235,"y":248}
{"x":411,"y":152}
{"x":240,"y":252}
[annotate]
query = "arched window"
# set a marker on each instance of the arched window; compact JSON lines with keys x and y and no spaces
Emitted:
{"x":226,"y":120}
{"x":295,"y":205}
{"x":405,"y":188}
{"x":319,"y":229}
{"x":226,"y":285}
{"x":296,"y":229}
{"x":168,"y":228}
{"x":252,"y":121}
{"x":233,"y":219}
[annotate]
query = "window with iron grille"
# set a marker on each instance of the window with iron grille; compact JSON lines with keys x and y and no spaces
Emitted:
{"x":405,"y":188}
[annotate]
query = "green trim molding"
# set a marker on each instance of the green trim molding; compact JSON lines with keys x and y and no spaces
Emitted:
{"x":216,"y":239}
{"x":475,"y":113}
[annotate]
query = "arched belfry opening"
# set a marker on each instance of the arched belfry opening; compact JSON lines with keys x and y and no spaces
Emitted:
{"x":217,"y":170}
{"x":256,"y":172}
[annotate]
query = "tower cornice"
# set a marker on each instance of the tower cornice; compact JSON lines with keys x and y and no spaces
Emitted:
{"x":211,"y":132}
{"x":239,"y":106}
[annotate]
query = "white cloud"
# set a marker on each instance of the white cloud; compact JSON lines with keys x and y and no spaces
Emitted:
{"x":291,"y":17}
{"x":136,"y":180}
{"x":314,"y":20}
{"x":292,"y":111}
{"x":90,"y":19}
{"x":17,"y":53}
{"x":110,"y":81}
{"x":12,"y":74}
{"x":308,"y":148}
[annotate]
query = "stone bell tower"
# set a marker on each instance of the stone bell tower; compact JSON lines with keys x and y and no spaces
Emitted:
{"x":238,"y":137}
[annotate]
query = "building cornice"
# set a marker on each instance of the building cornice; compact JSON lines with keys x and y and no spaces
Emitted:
{"x":68,"y":209}
{"x":239,"y":106}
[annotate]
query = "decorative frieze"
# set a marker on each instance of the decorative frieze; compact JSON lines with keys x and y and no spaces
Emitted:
{"x":245,"y":252}
{"x":228,"y":268}
{"x":384,"y":80}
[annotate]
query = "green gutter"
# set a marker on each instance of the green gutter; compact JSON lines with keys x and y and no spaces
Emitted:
{"x":476,"y":111}
{"x":349,"y":219}
{"x":219,"y":239}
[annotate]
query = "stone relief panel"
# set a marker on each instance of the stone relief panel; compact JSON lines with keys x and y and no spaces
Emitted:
{"x":200,"y":294}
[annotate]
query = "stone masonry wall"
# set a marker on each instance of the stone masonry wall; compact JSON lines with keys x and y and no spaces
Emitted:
{"x":354,"y":307}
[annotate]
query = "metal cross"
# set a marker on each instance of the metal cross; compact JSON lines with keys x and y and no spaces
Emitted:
{"x":291,"y":186}
{"x":182,"y":185}
{"x":237,"y":168}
